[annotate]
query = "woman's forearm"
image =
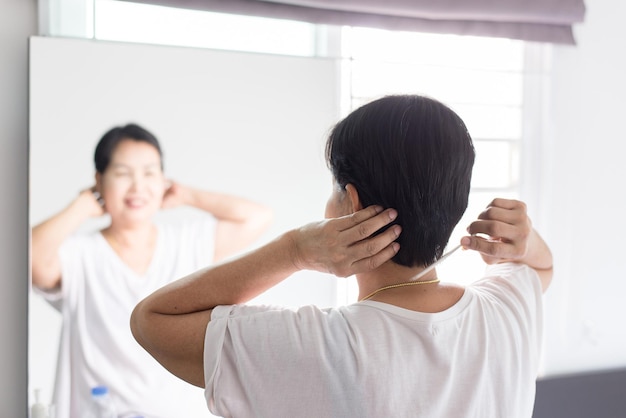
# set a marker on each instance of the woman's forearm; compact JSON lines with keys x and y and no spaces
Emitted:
{"x":240,"y":221}
{"x":48,"y":236}
{"x":539,"y":257}
{"x":227,"y":207}
{"x":232,"y":282}
{"x":337,"y":246}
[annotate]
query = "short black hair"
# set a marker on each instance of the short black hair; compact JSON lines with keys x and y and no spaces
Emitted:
{"x":109,"y":141}
{"x":413,"y":154}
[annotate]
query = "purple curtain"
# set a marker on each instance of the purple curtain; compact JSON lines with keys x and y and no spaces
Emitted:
{"x":530,"y":20}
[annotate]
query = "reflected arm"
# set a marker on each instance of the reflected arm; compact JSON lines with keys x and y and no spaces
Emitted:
{"x":48,"y":236}
{"x":240,"y":221}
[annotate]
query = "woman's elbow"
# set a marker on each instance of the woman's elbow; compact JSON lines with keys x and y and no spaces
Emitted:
{"x":139,"y":321}
{"x":45,"y":275}
{"x":545,"y":275}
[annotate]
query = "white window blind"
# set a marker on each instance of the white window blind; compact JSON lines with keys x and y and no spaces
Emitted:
{"x":535,"y":20}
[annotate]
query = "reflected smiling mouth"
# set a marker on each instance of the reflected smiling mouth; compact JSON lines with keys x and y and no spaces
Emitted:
{"x":135,"y":203}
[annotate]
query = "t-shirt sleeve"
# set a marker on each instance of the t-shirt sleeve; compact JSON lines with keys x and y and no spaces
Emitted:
{"x":251,"y":346}
{"x":70,"y":261}
{"x":216,"y":333}
{"x":517,"y":283}
{"x":515,"y":290}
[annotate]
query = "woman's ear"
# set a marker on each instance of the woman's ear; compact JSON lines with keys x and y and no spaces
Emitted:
{"x":353,"y":195}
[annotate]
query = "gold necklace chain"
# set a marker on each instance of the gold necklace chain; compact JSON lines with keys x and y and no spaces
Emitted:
{"x":391,"y":286}
{"x":414,"y":279}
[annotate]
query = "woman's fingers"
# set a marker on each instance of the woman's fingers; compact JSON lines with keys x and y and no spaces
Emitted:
{"x":496,"y":230}
{"x":362,"y":251}
{"x":504,"y":210}
{"x":362,"y":224}
{"x":492,"y":250}
{"x":346,"y":245}
{"x":501,"y":231}
{"x":375,"y":251}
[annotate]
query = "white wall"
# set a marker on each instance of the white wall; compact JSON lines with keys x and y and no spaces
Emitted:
{"x":586,"y":195}
{"x":18,"y":20}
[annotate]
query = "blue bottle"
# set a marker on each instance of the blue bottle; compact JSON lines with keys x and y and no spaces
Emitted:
{"x":101,"y":403}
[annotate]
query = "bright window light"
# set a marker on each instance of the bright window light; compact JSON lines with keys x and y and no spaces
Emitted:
{"x":482,"y":79}
{"x":142,"y":23}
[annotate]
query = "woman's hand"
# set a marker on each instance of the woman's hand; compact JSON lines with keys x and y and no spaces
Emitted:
{"x":345,"y":246}
{"x":501,"y":232}
{"x":510,"y":237}
{"x":91,"y":202}
{"x":175,"y":195}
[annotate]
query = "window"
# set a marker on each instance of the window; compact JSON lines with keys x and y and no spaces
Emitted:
{"x":135,"y":22}
{"x":482,"y":79}
{"x":485,"y":80}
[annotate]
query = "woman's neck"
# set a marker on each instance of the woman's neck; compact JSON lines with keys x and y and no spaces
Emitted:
{"x":130,"y":236}
{"x":428,"y":297}
{"x":134,"y":246}
{"x":390,"y":274}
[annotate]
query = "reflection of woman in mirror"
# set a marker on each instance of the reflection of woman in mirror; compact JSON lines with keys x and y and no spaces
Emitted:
{"x":412,"y":346}
{"x":96,"y":279}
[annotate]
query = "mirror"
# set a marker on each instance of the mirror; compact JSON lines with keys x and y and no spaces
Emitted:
{"x":247,"y":124}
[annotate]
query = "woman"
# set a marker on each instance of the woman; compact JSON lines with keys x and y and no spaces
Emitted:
{"x":96,"y":279}
{"x":412,"y":346}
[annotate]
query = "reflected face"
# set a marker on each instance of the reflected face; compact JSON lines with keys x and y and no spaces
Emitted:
{"x":133,"y":184}
{"x":338,"y":203}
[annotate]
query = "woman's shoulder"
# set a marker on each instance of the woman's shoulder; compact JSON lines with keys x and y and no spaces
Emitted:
{"x":83,"y":240}
{"x":513,"y":285}
{"x":509,"y":275}
{"x":83,"y":247}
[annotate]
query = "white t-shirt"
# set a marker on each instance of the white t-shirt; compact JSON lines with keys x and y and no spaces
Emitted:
{"x":97,"y":296}
{"x":478,"y":358}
